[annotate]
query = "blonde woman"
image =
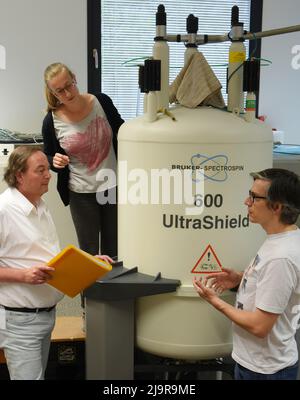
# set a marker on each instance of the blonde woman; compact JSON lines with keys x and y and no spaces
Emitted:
{"x":80,"y":138}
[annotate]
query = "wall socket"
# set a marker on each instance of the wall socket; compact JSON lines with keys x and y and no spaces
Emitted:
{"x":5,"y":150}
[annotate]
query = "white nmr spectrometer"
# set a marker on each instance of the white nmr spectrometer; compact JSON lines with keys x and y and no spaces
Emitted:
{"x":183,"y":179}
{"x":216,"y":149}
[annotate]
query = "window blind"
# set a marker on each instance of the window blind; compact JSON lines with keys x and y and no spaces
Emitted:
{"x":127,"y":32}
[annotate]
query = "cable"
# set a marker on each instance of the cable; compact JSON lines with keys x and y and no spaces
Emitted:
{"x":234,"y":73}
{"x":264,"y":59}
{"x":134,"y":59}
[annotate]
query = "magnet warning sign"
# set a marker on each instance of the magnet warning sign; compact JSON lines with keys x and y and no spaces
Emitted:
{"x":208,"y":262}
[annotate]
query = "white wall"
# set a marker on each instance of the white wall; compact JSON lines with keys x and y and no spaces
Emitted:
{"x":36,"y":33}
{"x":280,"y":82}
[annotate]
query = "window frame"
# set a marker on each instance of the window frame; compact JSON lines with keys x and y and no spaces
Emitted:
{"x":94,"y":40}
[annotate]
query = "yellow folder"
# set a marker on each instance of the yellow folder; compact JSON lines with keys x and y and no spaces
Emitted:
{"x":75,"y":270}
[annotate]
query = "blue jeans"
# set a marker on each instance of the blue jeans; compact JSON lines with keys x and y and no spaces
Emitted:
{"x":288,"y":373}
{"x":26,"y":342}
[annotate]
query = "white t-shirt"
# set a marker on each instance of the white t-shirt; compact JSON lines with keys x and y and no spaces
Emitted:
{"x":88,"y":143}
{"x":271,"y":283}
{"x":27,"y":238}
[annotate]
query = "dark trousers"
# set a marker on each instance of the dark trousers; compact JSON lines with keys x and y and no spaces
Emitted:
{"x":93,"y":220}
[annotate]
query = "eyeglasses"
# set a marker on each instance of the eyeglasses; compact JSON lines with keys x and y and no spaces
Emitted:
{"x":67,"y":88}
{"x":253,"y":196}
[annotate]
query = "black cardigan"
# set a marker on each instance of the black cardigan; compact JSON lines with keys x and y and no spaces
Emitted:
{"x":52,"y":146}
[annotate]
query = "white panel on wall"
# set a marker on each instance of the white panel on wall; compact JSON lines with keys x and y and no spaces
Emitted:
{"x":2,"y":57}
{"x":36,"y":33}
{"x":280,"y":82}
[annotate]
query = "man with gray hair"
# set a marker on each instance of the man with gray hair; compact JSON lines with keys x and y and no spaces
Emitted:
{"x":267,"y":310}
{"x":28,"y":240}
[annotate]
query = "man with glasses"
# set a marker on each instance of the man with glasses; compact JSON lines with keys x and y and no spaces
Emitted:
{"x":266,"y":315}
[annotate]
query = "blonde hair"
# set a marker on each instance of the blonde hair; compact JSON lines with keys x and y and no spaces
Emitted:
{"x":50,"y":72}
{"x":17,"y":162}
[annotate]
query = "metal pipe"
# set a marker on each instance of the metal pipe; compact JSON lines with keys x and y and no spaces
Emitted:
{"x":203,"y":39}
{"x":212,"y":38}
{"x":272,"y":32}
{"x":200,"y":39}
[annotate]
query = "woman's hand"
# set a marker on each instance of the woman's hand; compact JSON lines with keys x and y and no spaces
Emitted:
{"x":60,"y":160}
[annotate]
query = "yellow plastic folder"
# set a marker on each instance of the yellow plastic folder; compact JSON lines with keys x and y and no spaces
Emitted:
{"x":75,"y":270}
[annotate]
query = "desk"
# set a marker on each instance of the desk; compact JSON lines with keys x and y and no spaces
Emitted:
{"x":287,"y":161}
{"x":67,"y":350}
{"x":68,"y":329}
